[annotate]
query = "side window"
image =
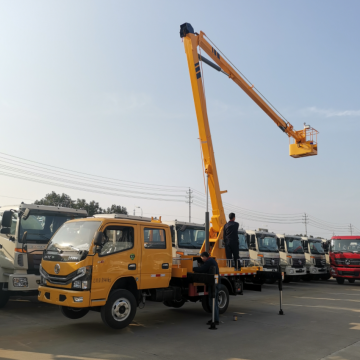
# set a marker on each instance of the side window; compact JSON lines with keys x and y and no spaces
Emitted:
{"x":117,"y":238}
{"x":305,"y":246}
{"x":154,"y":238}
{"x":252,"y":242}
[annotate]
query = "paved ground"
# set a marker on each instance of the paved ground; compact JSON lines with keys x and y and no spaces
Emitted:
{"x":321,"y":321}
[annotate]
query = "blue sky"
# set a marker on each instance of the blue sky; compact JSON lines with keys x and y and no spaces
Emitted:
{"x":102,"y":87}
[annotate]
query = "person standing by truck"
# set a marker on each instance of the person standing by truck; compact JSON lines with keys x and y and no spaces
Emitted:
{"x":231,"y":240}
{"x":206,"y":268}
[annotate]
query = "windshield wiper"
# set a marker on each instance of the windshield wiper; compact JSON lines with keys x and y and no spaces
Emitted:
{"x":55,"y":249}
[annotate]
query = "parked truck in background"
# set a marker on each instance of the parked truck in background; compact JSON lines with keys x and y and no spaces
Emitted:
{"x":264,"y":250}
{"x":345,"y":258}
{"x":292,"y":257}
{"x":24,"y":234}
{"x":187,"y":238}
{"x":316,"y":268}
{"x":244,"y":253}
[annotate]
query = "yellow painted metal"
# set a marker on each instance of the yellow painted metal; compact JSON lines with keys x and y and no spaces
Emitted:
{"x":302,"y":150}
{"x":106,"y":270}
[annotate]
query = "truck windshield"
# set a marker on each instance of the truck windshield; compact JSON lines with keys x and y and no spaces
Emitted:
{"x":316,"y":247}
{"x":190,"y":238}
{"x":74,"y":236}
{"x":294,"y":245}
{"x":242,"y":242}
{"x":345,"y":245}
{"x":267,"y":243}
{"x":41,"y":227}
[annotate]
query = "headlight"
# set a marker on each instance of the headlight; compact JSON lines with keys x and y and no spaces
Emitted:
{"x":20,"y":282}
{"x":83,"y":278}
{"x":291,"y":271}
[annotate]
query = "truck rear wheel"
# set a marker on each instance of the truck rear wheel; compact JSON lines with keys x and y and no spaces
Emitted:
{"x":174,"y":303}
{"x":119,"y":310}
{"x":340,"y":280}
{"x":223,"y":300}
{"x":73,"y":313}
{"x":351,"y":281}
{"x":4,"y":297}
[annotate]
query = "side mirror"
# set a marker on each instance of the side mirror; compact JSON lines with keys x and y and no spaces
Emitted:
{"x":26,"y":214}
{"x":6,"y":220}
{"x":23,"y":240}
{"x":99,"y":238}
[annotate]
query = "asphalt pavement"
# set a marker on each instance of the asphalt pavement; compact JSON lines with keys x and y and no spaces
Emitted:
{"x":321,"y":321}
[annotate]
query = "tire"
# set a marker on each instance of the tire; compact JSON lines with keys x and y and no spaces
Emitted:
{"x":119,"y":310}
{"x":287,"y":279}
{"x":4,"y":297}
{"x":340,"y":281}
{"x":223,"y":299}
{"x":174,"y":304}
{"x":351,"y":281}
{"x":73,"y":313}
{"x":325,"y":277}
{"x":307,"y":278}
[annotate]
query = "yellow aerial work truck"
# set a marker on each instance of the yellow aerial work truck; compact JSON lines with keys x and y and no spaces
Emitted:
{"x":112,"y":264}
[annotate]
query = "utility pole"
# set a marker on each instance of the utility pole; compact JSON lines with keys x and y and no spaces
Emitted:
{"x":351,"y":229}
{"x":305,"y":221}
{"x":189,"y":201}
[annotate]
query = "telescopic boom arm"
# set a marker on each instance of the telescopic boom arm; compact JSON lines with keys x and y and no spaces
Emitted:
{"x":304,"y":141}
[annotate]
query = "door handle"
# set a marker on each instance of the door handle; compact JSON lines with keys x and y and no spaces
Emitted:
{"x":132,"y":267}
{"x":165,"y":266}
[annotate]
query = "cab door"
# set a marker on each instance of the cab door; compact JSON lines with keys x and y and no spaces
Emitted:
{"x":156,"y":259}
{"x":119,"y":257}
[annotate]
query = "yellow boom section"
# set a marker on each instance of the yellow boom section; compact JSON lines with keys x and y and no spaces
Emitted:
{"x":303,"y":142}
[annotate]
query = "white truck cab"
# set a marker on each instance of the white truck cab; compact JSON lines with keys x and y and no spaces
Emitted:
{"x":244,"y":253}
{"x":292,"y":257}
{"x":263,"y":248}
{"x":315,"y":259}
{"x":187,"y":238}
{"x":25,"y":231}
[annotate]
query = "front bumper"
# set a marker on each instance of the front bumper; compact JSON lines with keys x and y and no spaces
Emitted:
{"x":313,"y":270}
{"x":32,"y":281}
{"x":290,"y":271}
{"x":345,"y":272}
{"x":63,"y":297}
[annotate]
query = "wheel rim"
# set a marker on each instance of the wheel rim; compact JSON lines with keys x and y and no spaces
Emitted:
{"x":222,"y":299}
{"x":121,"y":309}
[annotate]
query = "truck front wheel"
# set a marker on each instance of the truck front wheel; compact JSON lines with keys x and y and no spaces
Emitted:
{"x":4,"y":297}
{"x":119,"y":310}
{"x":351,"y":281}
{"x":73,"y":313}
{"x":340,"y":280}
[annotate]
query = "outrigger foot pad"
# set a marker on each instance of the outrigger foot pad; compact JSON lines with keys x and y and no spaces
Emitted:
{"x":281,"y":312}
{"x":212,"y":326}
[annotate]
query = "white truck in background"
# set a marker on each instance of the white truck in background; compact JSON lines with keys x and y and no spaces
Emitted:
{"x":25,"y":231}
{"x":244,"y":252}
{"x":292,"y":257}
{"x":187,"y":238}
{"x":316,"y":268}
{"x":263,"y":248}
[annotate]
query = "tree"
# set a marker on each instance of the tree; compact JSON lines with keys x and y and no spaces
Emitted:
{"x":54,"y":199}
{"x":92,"y":207}
{"x":116,"y":209}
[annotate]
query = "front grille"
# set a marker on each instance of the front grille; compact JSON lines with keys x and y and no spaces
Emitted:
{"x":348,"y":262}
{"x":298,"y":263}
{"x":320,"y":262}
{"x":58,"y":279}
{"x":34,"y":261}
{"x":349,"y":273}
{"x":272,"y":263}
